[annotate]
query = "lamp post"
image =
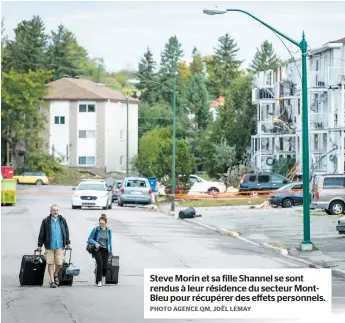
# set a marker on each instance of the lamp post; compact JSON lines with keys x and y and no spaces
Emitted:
{"x":306,"y":242}
{"x":173,"y":166}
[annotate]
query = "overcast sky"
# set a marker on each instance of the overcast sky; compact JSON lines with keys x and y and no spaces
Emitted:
{"x":120,"y":32}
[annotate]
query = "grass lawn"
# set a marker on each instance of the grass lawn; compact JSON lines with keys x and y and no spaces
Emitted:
{"x":215,"y":202}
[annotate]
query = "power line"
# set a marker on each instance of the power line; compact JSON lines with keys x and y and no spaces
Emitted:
{"x":158,"y":118}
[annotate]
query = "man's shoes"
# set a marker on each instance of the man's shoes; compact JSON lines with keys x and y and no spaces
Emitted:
{"x":103,"y":280}
{"x":52,"y":285}
{"x":99,"y":284}
{"x":57,"y":281}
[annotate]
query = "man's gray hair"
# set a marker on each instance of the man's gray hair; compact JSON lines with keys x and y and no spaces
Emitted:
{"x":54,"y":205}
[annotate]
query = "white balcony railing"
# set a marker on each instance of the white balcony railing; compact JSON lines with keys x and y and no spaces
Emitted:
{"x":317,"y":79}
{"x":335,"y":74}
{"x":318,"y":162}
{"x":265,"y":127}
{"x":318,"y":121}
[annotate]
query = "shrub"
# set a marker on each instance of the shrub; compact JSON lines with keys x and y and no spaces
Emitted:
{"x":39,"y":161}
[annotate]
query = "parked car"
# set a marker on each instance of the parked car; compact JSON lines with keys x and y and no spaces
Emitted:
{"x":135,"y":190}
{"x":287,"y":196}
{"x":116,"y":189}
{"x":38,"y":178}
{"x":262,"y":182}
{"x":341,"y":225}
{"x":328,"y":193}
{"x":92,"y":193}
{"x":203,"y":186}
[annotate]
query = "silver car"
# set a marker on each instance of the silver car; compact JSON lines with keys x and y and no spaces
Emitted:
{"x":135,"y":190}
{"x":116,"y":189}
{"x":328,"y":193}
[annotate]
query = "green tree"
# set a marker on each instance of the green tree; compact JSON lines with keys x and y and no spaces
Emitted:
{"x":65,"y":56}
{"x":224,"y":159}
{"x":146,"y":161}
{"x":147,"y":77}
{"x":235,"y":123}
{"x":158,"y":115}
{"x":39,"y":161}
{"x":3,"y":42}
{"x":184,"y":162}
{"x":197,"y":64}
{"x":198,"y":102}
{"x":94,"y":70}
{"x":265,"y":58}
{"x":28,"y":50}
{"x":224,"y":66}
{"x":169,"y":68}
{"x":22,"y":117}
{"x":155,"y":153}
{"x":170,"y":57}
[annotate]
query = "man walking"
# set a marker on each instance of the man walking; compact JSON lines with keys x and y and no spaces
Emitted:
{"x":54,"y":235}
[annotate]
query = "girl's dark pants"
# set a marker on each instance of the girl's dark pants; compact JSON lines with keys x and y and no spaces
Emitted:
{"x":101,"y":256}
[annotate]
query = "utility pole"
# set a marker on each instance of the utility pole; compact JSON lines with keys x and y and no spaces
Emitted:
{"x":127,"y":137}
{"x":173,"y":175}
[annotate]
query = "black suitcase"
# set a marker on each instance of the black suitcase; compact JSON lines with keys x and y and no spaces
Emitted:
{"x":112,"y":276}
{"x":32,"y":269}
{"x":64,"y":279}
{"x":113,"y":267}
{"x":188,"y":213}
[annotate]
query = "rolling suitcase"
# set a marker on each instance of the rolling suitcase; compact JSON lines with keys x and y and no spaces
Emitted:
{"x":64,"y":278}
{"x":112,"y":275}
{"x":32,"y":269}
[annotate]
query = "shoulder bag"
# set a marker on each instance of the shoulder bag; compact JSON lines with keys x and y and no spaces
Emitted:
{"x":90,"y":247}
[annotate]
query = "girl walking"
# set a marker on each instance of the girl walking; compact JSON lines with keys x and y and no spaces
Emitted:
{"x":101,"y":238}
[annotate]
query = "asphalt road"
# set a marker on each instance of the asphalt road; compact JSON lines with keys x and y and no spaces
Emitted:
{"x":142,"y":239}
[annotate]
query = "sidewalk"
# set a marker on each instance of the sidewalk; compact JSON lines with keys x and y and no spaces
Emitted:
{"x":280,"y":230}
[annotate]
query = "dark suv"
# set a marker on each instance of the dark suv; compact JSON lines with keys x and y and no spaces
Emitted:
{"x":262,"y":182}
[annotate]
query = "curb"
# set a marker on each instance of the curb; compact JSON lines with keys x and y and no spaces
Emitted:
{"x":281,"y":251}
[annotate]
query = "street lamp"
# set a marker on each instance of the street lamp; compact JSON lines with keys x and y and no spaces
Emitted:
{"x":173,"y":175}
{"x":306,"y":243}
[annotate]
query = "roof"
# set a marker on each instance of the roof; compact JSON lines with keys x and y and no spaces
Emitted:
{"x":341,"y":40}
{"x":218,"y":102}
{"x":81,"y":89}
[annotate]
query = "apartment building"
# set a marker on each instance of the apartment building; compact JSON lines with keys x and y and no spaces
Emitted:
{"x":277,"y":95}
{"x":87,"y":125}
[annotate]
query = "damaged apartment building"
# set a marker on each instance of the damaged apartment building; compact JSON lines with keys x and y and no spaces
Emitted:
{"x":278,"y":96}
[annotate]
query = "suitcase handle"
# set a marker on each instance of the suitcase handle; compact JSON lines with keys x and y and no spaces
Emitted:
{"x":36,"y":259}
{"x":70,"y":254}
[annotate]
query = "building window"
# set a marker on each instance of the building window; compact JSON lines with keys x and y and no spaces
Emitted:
{"x":87,"y":108}
{"x":121,"y":160}
{"x":59,"y":120}
{"x":87,"y":160}
{"x":87,"y":134}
